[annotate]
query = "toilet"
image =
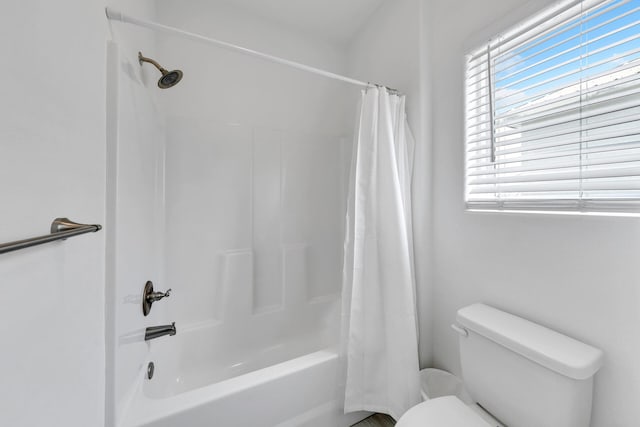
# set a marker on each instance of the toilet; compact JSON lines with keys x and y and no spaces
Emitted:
{"x":518,"y":373}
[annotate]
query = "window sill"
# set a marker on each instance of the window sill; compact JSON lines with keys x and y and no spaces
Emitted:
{"x":528,"y":212}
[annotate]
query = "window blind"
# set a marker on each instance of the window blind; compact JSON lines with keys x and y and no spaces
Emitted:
{"x":553,"y":111}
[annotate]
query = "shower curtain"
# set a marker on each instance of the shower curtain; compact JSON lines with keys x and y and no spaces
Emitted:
{"x":380,"y":341}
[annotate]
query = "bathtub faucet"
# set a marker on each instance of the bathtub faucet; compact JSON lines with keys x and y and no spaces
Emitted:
{"x":153,"y":332}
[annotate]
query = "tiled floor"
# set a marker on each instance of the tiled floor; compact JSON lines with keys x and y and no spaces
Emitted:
{"x":376,"y":420}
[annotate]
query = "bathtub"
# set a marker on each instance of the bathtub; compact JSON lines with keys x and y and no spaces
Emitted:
{"x":288,"y":385}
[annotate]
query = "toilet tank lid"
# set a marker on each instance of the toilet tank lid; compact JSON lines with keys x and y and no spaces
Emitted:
{"x":544,"y":346}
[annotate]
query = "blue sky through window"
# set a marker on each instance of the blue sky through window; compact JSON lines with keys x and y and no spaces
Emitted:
{"x":600,"y":41}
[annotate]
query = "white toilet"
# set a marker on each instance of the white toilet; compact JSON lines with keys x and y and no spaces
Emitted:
{"x":520,"y":374}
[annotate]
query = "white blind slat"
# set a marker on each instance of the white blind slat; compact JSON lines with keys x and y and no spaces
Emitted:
{"x":624,"y":74}
{"x":564,"y":76}
{"x":598,"y":107}
{"x":572,"y":162}
{"x":577,"y":57}
{"x":574,"y":150}
{"x":624,"y":113}
{"x":511,"y":64}
{"x":560,"y":176}
{"x":575,"y":185}
{"x":570,"y":128}
{"x":549,"y":26}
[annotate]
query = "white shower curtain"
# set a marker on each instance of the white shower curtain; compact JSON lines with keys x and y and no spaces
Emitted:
{"x":379,"y":304}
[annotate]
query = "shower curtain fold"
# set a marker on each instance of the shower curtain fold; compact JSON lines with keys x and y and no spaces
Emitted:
{"x":380,"y":341}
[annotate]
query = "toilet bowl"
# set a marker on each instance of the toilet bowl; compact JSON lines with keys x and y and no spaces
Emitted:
{"x":447,"y":411}
{"x":517,"y":373}
{"x":437,"y":383}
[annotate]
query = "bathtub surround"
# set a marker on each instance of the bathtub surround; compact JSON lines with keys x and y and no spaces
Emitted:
{"x":378,"y":288}
{"x":135,"y":237}
{"x":254,"y":266}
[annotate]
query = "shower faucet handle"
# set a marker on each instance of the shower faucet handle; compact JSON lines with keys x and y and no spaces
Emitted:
{"x":149,"y":297}
{"x":157,"y":296}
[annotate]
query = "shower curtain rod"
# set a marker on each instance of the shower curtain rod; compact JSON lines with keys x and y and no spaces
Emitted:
{"x":114,"y":15}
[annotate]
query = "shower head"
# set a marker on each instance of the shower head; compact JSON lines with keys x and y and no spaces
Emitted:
{"x":168,"y":79}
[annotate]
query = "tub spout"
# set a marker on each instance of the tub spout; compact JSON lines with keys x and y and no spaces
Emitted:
{"x":153,"y":332}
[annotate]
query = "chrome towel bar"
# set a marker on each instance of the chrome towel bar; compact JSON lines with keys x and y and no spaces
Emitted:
{"x":61,"y":228}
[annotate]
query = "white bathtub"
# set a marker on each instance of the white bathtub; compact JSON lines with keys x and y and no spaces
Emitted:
{"x":283,"y":386}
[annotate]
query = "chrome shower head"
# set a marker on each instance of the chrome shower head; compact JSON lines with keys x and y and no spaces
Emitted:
{"x":168,"y":79}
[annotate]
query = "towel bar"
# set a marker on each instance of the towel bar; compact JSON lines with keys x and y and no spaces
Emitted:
{"x":61,"y":228}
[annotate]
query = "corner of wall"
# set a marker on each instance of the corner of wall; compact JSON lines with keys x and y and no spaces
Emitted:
{"x":423,"y":194}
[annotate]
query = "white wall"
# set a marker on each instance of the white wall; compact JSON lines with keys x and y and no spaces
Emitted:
{"x":52,"y":163}
{"x":391,"y":50}
{"x":575,"y":274}
{"x":230,"y":87}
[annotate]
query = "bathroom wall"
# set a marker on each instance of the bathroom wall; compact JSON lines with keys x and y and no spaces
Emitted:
{"x":52,"y":157}
{"x":391,"y":49}
{"x":576,"y":274}
{"x":233,"y":87}
{"x":573,"y":273}
{"x":53,"y":164}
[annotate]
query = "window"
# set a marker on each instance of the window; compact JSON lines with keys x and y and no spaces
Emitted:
{"x":553,"y":112}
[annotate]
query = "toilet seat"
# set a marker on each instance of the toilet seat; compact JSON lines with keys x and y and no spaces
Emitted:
{"x":446,"y":411}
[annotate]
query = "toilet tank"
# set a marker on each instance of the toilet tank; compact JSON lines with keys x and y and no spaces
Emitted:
{"x":524,"y":374}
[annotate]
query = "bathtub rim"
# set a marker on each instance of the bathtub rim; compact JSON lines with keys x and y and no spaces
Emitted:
{"x":143,"y":409}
